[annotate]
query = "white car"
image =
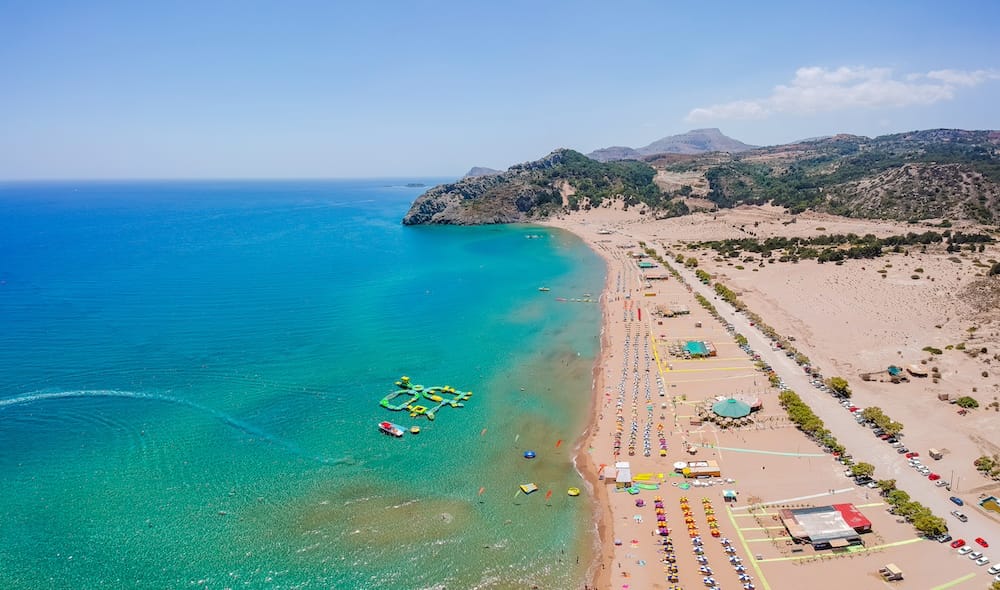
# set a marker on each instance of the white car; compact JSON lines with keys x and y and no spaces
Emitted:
{"x":993,"y":570}
{"x":982,"y":560}
{"x":964,"y":550}
{"x":975,"y":555}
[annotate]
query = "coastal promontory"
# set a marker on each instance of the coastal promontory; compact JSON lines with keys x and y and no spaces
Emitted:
{"x":533,"y":190}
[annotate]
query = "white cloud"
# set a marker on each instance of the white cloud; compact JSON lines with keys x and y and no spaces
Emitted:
{"x":817,"y":89}
{"x":960,"y":78}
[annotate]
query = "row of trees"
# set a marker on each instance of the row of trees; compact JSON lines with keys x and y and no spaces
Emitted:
{"x":839,"y":386}
{"x":914,"y":512}
{"x":807,"y":421}
{"x":828,"y":248}
{"x":876,"y":415}
{"x":730,"y":297}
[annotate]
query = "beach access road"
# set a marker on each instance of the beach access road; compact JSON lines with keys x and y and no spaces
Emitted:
{"x":856,"y":438}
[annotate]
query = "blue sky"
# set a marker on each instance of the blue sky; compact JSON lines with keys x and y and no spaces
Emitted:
{"x":337,"y":89}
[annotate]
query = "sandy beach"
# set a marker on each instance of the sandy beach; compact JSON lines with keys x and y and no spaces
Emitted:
{"x":848,"y":320}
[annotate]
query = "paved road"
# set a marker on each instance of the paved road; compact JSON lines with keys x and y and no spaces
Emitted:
{"x":859,"y":439}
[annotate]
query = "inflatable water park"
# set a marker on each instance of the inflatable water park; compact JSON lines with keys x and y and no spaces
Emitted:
{"x":420,"y":401}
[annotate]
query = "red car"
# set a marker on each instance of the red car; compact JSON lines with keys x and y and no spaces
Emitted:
{"x":853,"y":409}
{"x":957,"y":543}
{"x":933,"y":477}
{"x":912,"y":455}
{"x":982,"y":542}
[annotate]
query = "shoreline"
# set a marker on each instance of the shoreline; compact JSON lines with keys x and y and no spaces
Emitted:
{"x":598,"y":577}
{"x":599,"y":572}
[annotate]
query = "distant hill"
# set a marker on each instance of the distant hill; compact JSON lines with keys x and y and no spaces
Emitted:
{"x":696,"y":141}
{"x":480,"y":171}
{"x":934,"y":174}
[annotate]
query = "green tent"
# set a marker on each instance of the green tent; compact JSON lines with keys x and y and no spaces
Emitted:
{"x":731,"y":408}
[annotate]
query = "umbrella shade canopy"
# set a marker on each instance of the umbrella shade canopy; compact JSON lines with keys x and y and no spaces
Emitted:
{"x":731,"y":408}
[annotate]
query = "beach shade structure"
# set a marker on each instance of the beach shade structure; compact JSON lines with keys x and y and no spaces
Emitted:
{"x":529,"y":454}
{"x":731,"y":408}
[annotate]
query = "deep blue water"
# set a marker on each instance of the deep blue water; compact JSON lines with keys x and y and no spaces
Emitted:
{"x":190,"y":382}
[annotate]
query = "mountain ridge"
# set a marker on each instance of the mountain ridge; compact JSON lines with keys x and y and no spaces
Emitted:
{"x":695,"y":141}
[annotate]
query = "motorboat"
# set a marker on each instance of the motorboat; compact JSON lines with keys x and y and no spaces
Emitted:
{"x":391,"y":429}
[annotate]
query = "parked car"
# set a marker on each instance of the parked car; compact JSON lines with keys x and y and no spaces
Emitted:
{"x":957,"y":543}
{"x":982,"y":542}
{"x":959,"y":515}
{"x":975,"y":555}
{"x":943,"y":538}
{"x":902,"y":450}
{"x":964,"y":550}
{"x":982,"y":560}
{"x":994,"y":569}
{"x":942,"y":483}
{"x":957,"y":500}
{"x":913,"y":454}
{"x":933,"y":477}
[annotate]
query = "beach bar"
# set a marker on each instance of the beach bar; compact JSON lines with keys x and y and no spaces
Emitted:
{"x":826,"y":527}
{"x":699,"y":469}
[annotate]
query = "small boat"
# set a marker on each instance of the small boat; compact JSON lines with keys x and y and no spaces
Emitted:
{"x":528,"y":488}
{"x":391,"y":429}
{"x":414,"y":430}
{"x":573,"y":491}
{"x":544,"y":289}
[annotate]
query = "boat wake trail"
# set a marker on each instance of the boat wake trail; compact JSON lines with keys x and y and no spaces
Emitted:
{"x":235,"y":423}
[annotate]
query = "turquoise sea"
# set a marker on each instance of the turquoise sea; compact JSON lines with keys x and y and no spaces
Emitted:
{"x":189,"y":384}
